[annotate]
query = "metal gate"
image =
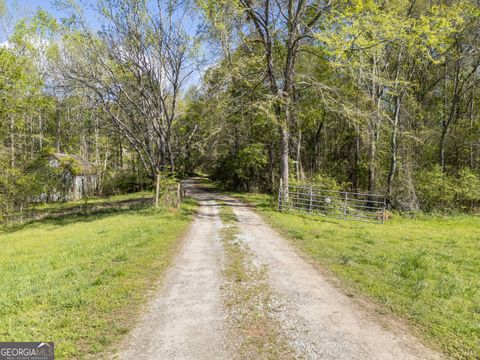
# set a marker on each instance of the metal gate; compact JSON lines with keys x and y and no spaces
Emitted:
{"x":334,"y":204}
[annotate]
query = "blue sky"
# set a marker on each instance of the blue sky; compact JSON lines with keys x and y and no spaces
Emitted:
{"x":26,"y":7}
{"x":21,"y":8}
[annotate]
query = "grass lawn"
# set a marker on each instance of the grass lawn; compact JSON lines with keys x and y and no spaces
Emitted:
{"x":427,"y":269}
{"x":59,"y":206}
{"x":80,"y":280}
{"x":84,"y":206}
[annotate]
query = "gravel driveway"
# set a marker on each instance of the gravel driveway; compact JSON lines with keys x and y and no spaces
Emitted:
{"x":186,"y":318}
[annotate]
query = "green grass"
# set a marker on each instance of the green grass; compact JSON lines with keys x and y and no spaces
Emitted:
{"x":426,"y":269}
{"x":80,"y":280}
{"x":84,"y":206}
{"x":58,"y":206}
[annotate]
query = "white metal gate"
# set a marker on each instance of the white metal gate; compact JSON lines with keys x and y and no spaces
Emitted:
{"x":330,"y":203}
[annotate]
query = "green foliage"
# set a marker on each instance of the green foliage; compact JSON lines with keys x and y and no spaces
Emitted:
{"x":31,"y":34}
{"x":436,"y":189}
{"x":439,"y":191}
{"x":64,"y":85}
{"x":124,"y":182}
{"x":467,"y":189}
{"x":343,"y":121}
{"x":168,"y":190}
{"x":250,"y":160}
{"x":49,"y":180}
{"x":244,"y":170}
{"x":16,"y":190}
{"x":322,"y":181}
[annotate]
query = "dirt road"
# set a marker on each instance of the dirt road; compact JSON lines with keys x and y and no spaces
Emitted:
{"x":187,"y":318}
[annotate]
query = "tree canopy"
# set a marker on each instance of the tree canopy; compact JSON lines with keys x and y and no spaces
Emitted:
{"x":368,"y":96}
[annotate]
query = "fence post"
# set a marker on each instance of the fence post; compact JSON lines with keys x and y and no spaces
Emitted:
{"x":383,"y":211}
{"x":157,"y":192}
{"x":311,"y":200}
{"x":345,"y":206}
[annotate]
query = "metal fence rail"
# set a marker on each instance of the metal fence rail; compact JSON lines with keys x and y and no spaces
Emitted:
{"x":330,"y":203}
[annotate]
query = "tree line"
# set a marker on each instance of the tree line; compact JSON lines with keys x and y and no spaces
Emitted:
{"x":367,"y":96}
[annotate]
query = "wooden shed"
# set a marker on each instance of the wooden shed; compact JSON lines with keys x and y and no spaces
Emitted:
{"x":79,"y":176}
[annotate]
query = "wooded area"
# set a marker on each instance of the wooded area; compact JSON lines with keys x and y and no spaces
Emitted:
{"x":363,"y":96}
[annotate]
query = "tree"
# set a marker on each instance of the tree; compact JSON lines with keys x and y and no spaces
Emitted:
{"x":286,"y":24}
{"x":134,"y":70}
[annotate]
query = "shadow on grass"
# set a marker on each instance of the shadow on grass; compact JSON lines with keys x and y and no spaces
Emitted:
{"x":83,"y":214}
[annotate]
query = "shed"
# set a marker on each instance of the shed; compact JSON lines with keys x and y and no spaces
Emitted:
{"x":79,"y":175}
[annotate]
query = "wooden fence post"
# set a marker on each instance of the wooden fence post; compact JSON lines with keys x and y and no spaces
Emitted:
{"x":157,"y":192}
{"x":383,"y":210}
{"x":345,"y":206}
{"x":311,"y":200}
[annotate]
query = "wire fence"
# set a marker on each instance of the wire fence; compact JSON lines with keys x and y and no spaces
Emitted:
{"x":334,"y":204}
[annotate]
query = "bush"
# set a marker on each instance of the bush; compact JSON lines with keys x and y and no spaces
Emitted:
{"x":468,"y":190}
{"x":16,"y":190}
{"x":124,"y":182}
{"x":442,"y":192}
{"x":322,"y":181}
{"x":168,"y":190}
{"x":436,"y":191}
{"x":245,"y":170}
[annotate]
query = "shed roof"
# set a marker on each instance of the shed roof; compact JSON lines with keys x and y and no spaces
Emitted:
{"x":79,"y":164}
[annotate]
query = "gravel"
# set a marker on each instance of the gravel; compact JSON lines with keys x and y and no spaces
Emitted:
{"x":186,"y":319}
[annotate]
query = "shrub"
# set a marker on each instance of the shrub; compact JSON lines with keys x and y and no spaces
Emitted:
{"x":16,"y":190}
{"x":244,"y":170}
{"x":123,"y":182}
{"x":435,"y":189}
{"x":323,"y":181}
{"x":467,"y":190}
{"x":442,"y":192}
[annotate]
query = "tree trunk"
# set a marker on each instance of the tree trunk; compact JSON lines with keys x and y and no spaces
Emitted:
{"x":374,"y":136}
{"x":284,"y":158}
{"x":452,"y":115}
{"x":298,"y":158}
{"x":356,"y":161}
{"x":271,"y":166}
{"x":396,"y":120}
{"x":443,"y":141}
{"x":393,"y":146}
{"x":316,"y":160}
{"x":171,"y":158}
{"x":472,"y":106}
{"x":371,"y":163}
